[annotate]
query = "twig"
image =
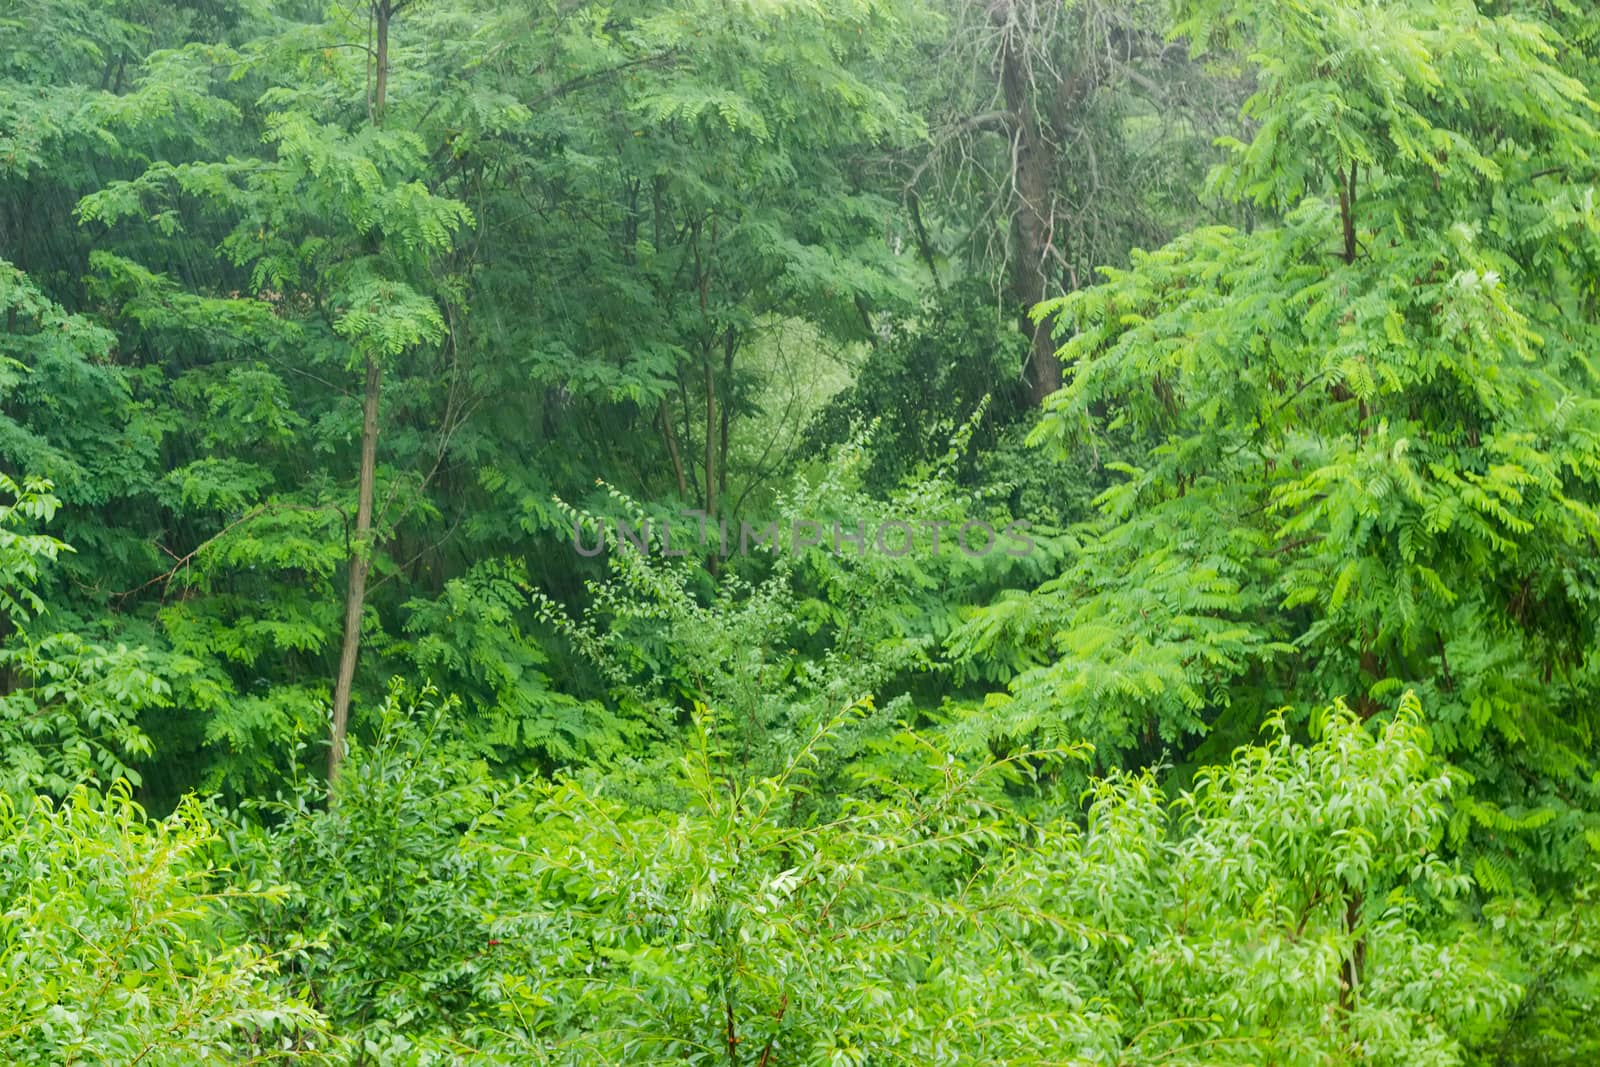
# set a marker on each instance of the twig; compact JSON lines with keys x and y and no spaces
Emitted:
{"x":184,"y":560}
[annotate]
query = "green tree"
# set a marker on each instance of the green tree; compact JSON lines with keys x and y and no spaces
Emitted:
{"x":338,"y":232}
{"x":1375,"y":462}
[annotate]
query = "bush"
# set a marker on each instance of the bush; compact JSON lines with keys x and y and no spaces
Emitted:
{"x":111,"y":949}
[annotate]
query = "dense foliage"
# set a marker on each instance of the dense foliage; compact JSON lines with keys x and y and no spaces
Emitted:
{"x":764,"y":532}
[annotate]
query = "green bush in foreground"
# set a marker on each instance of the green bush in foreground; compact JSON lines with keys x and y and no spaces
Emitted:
{"x":110,"y":945}
{"x":1293,"y":908}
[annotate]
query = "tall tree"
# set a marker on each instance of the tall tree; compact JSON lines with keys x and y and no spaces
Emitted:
{"x":340,"y":237}
{"x":380,"y":13}
{"x":1061,"y":136}
{"x":1376,"y":461}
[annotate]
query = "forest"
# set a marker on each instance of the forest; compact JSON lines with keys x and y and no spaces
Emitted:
{"x":800,"y":533}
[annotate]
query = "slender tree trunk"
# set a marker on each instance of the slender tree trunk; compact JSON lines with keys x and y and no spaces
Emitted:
{"x":924,"y":246}
{"x":711,"y":437}
{"x":730,"y":345}
{"x":1355,"y":963}
{"x":1031,"y":223}
{"x":707,"y":340}
{"x":665,"y":415}
{"x":1347,"y":214}
{"x":690,"y":473}
{"x":360,"y":561}
{"x":381,"y":11}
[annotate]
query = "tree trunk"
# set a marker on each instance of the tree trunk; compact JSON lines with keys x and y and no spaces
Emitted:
{"x":691,"y":472}
{"x":665,"y":414}
{"x":707,"y":340}
{"x":730,"y":345}
{"x":1347,"y":214}
{"x":1350,"y":970}
{"x":1032,"y":222}
{"x":711,"y":437}
{"x":381,"y":12}
{"x":360,"y":561}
